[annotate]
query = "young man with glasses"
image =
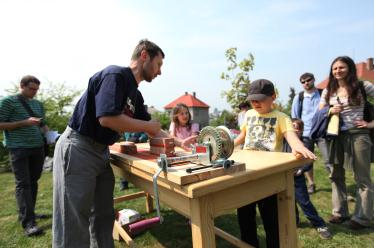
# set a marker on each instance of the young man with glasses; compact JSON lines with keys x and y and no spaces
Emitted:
{"x":304,"y":106}
{"x":21,"y":119}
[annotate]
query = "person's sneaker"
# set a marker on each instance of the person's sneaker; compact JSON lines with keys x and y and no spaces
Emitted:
{"x":312,"y":189}
{"x":324,"y":232}
{"x":354,"y":225}
{"x":337,"y":219}
{"x":32,"y":230}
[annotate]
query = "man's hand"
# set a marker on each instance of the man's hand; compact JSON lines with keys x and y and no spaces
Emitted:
{"x":154,"y":128}
{"x":32,"y":121}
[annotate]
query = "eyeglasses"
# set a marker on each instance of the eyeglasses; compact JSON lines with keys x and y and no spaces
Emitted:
{"x":32,"y":89}
{"x":306,"y":80}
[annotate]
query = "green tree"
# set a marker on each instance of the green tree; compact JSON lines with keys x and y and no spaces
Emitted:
{"x":291,"y":96}
{"x":225,"y":118}
{"x":238,"y":74}
{"x":163,"y":118}
{"x":58,"y":100}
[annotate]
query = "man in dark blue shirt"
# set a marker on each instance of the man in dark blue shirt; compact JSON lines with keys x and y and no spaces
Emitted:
{"x":83,"y":182}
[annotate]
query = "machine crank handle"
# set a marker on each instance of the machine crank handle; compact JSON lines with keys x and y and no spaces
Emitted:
{"x":189,"y":170}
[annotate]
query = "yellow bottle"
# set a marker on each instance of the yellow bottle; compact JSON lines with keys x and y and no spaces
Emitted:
{"x":333,"y":127}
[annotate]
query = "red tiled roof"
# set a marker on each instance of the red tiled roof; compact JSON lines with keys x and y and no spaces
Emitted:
{"x":362,"y":73}
{"x":189,"y":100}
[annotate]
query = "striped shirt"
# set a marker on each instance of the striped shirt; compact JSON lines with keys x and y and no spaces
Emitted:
{"x":350,"y":113}
{"x":11,"y":110}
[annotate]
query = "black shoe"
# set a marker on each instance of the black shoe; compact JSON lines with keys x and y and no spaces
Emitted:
{"x":124,"y":185}
{"x":354,"y":225}
{"x":42,"y":216}
{"x":32,"y":230}
{"x":338,"y":220}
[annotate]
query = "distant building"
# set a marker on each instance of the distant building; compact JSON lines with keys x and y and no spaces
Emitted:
{"x":151,"y":110}
{"x":198,"y":109}
{"x":365,"y":72}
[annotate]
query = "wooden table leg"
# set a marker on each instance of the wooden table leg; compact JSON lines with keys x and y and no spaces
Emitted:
{"x":148,"y":203}
{"x":202,"y":223}
{"x":286,"y":214}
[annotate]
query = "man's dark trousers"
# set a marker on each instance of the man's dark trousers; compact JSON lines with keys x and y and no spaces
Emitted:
{"x":27,"y":166}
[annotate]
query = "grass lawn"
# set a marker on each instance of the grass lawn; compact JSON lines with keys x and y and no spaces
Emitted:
{"x":175,"y":231}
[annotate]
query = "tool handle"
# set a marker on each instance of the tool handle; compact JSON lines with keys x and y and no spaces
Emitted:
{"x":189,"y":170}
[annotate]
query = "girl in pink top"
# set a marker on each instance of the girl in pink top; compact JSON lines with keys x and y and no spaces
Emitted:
{"x":181,"y":127}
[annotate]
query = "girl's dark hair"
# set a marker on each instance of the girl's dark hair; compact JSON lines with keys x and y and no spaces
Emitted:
{"x":352,"y":82}
{"x":174,"y":115}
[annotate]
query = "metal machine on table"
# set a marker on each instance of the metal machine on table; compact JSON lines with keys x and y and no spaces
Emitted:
{"x":213,"y":148}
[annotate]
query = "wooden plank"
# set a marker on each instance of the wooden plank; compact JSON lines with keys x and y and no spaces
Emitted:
{"x":149,"y":203}
{"x":251,"y":191}
{"x":168,"y":194}
{"x":176,"y":174}
{"x":118,"y":231}
{"x":202,"y":223}
{"x":231,"y":239}
{"x":258,"y":164}
{"x":128,"y":197}
{"x":286,"y":214}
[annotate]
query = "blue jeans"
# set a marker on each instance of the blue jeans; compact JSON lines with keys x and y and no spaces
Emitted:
{"x":302,"y":198}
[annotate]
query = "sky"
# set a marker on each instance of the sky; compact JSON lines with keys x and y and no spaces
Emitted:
{"x":68,"y":41}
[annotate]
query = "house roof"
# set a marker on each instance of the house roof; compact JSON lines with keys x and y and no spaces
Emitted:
{"x":190,"y":100}
{"x":363,"y":73}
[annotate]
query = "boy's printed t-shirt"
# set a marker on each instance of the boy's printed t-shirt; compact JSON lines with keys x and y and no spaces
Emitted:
{"x":264,"y":132}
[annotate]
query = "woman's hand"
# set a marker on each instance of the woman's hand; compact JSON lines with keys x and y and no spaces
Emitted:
{"x":361,"y":124}
{"x":336,"y":109}
{"x":364,"y":124}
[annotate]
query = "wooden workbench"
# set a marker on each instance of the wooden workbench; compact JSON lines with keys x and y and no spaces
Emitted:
{"x":266,"y":173}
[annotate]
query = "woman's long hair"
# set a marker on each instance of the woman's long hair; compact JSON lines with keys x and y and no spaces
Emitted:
{"x":352,"y":84}
{"x":175,"y":112}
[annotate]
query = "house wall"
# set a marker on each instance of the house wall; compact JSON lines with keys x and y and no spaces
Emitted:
{"x":200,"y":115}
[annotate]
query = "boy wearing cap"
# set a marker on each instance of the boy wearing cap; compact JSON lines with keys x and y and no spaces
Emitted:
{"x":264,"y":129}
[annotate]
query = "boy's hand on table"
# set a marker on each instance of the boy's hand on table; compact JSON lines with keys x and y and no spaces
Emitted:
{"x":302,"y":151}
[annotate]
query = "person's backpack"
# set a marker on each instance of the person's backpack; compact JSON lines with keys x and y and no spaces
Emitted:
{"x":301,"y":99}
{"x":368,"y":107}
{"x":368,"y":114}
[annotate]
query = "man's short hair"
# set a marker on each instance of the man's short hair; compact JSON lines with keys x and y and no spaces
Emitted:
{"x":306,"y":75}
{"x":26,"y":80}
{"x":151,"y":48}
